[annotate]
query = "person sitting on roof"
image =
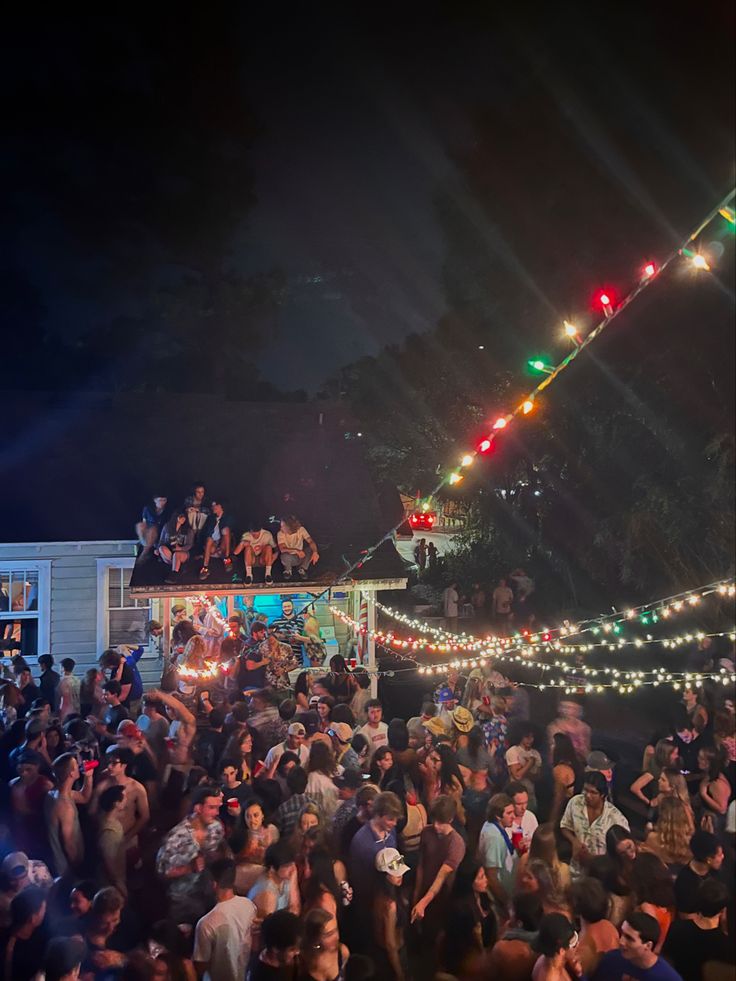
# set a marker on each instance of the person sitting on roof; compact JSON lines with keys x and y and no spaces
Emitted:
{"x":217,"y":533}
{"x":149,"y":528}
{"x":298,"y":548}
{"x":196,"y":508}
{"x":176,"y":544}
{"x":260,"y":549}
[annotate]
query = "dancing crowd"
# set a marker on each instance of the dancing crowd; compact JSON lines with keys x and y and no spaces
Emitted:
{"x":279,"y":832}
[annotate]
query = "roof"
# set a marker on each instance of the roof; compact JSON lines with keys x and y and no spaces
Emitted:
{"x":81,"y":468}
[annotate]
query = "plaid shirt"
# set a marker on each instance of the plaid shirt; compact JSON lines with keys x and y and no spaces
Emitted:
{"x":287,"y":814}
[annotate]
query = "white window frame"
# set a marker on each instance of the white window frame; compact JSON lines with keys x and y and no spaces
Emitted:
{"x":43,"y":613}
{"x":103,"y":592}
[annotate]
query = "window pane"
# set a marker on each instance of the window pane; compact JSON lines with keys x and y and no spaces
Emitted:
{"x":113,"y":590}
{"x":128,"y":627}
{"x":4,"y":591}
{"x":23,"y":591}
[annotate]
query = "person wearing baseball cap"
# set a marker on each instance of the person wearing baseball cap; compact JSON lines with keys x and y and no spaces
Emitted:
{"x":20,"y":872}
{"x":341,"y":735}
{"x":141,"y":765}
{"x":389,"y":952}
{"x":295,"y":742}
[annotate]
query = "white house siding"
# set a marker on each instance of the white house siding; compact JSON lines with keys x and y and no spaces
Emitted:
{"x":72,"y":615}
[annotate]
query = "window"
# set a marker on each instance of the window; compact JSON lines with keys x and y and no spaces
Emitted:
{"x":24,"y":624}
{"x":127,"y":617}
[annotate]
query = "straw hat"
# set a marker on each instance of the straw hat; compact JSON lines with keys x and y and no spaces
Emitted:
{"x":462,"y":719}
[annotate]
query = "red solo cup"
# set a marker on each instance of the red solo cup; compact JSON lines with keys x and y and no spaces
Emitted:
{"x":90,"y":765}
{"x":353,"y":662}
{"x":517,"y":837}
{"x":232,"y":803}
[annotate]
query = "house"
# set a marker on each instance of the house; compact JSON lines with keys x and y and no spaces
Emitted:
{"x":78,"y":470}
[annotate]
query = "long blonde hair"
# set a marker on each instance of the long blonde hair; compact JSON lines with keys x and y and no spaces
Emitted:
{"x":544,"y":847}
{"x":678,"y":787}
{"x":674,"y":829}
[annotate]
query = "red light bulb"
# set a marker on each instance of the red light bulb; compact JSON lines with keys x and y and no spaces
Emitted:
{"x":485,"y":446}
{"x":605,"y":299}
{"x":649,"y":270}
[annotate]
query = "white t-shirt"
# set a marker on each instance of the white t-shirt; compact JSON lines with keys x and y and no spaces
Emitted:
{"x":258,"y":539}
{"x":293,"y":540}
{"x":528,"y":825}
{"x":222,"y":939}
{"x":276,"y":752}
{"x":517,"y":755}
{"x":376,"y":737}
{"x":450,"y":598}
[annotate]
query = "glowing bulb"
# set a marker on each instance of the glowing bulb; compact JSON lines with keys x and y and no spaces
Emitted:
{"x":500,"y":423}
{"x":570,"y":329}
{"x":700,"y":262}
{"x":466,"y":460}
{"x":729,"y":214}
{"x":455,"y":478}
{"x":485,"y":446}
{"x":649,"y":270}
{"x":605,"y":300}
{"x":527,"y":407}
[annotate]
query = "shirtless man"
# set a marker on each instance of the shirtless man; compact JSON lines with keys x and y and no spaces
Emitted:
{"x":134,"y":813}
{"x":62,"y":817}
{"x":182,"y":731}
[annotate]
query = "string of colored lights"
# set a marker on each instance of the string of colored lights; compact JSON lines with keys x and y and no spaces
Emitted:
{"x":650,"y":272}
{"x":651,"y":612}
{"x":522,"y":655}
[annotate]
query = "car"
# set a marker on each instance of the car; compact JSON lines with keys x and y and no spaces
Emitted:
{"x":423,"y":520}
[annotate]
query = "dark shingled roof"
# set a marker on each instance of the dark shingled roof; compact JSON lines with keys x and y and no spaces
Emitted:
{"x":81,"y":468}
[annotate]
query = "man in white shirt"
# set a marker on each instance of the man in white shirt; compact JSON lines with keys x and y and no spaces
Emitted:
{"x":525,"y":823}
{"x":375,"y":731}
{"x":503,"y":597}
{"x":294,"y":743}
{"x":450,"y":599}
{"x":260,"y":549}
{"x":223,"y":937}
{"x":297,"y":548}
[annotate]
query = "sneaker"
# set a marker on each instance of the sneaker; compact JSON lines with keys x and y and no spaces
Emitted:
{"x":249,"y":580}
{"x":236,"y":578}
{"x":204,"y":573}
{"x":302,"y":573}
{"x":287,"y":574}
{"x":268,"y":580}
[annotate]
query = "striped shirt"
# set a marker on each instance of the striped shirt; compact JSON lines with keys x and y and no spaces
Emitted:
{"x":290,"y":626}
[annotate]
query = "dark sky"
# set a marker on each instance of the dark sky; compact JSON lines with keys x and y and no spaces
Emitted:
{"x":358,"y":120}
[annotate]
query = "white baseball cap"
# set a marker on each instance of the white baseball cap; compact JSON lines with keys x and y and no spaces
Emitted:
{"x":391,"y":861}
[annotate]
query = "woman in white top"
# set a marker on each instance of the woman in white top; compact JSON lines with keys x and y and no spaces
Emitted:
{"x":321,"y":768}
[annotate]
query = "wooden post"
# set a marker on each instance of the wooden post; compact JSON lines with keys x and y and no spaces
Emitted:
{"x":370,"y":597}
{"x":166,"y":645}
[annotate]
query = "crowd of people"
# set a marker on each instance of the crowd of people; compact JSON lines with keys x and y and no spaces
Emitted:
{"x":202,"y":529}
{"x":505,"y":607}
{"x":269,"y":831}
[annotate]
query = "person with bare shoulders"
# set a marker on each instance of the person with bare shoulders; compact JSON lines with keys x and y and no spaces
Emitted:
{"x":134,"y":812}
{"x":556,"y":943}
{"x":182,"y":730}
{"x":62,"y":817}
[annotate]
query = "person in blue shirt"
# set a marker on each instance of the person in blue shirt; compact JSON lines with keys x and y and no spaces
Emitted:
{"x":154,"y":516}
{"x":635,"y":957}
{"x":217,"y":534}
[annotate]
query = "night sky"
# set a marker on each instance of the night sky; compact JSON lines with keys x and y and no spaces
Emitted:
{"x":347,"y":129}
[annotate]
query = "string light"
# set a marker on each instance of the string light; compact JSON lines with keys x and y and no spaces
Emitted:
{"x":527,"y":406}
{"x":606,"y":300}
